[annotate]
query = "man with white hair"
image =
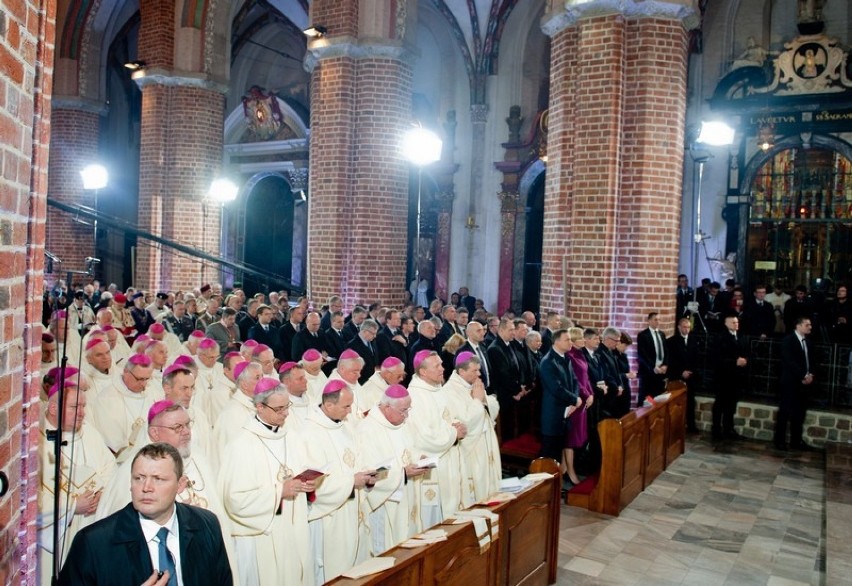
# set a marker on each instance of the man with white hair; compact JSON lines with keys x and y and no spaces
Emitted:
{"x":391,"y":372}
{"x":265,"y":500}
{"x":86,"y":461}
{"x":480,"y":450}
{"x":178,"y":387}
{"x":263,"y":355}
{"x":385,"y":441}
{"x":312,"y":362}
{"x":336,"y":532}
{"x":173,"y":345}
{"x":120,"y":410}
{"x":349,"y":367}
{"x":212,"y":388}
{"x":190,"y":347}
{"x":159,"y":355}
{"x":239,"y":408}
{"x":436,"y":434}
{"x":292,"y":377}
{"x":68,"y":342}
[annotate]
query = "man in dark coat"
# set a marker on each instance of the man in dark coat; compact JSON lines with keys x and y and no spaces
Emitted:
{"x":653,"y":362}
{"x":683,"y":365}
{"x":731,"y":357}
{"x":114,"y":550}
{"x":266,"y":333}
{"x":364,"y":344}
{"x":797,"y":355}
{"x":560,"y":395}
{"x":505,"y":377}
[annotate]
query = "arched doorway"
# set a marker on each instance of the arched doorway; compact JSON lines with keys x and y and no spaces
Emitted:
{"x":269,"y":231}
{"x":533,"y":238}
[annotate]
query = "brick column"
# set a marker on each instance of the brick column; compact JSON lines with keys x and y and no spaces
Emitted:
{"x":180,"y":153}
{"x":26,"y":78}
{"x":74,"y":137}
{"x":360,"y":107}
{"x":612,"y":196}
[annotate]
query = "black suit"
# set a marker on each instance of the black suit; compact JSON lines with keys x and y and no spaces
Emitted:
{"x":369,"y":354}
{"x":505,"y":383}
{"x":286,"y":333}
{"x":388,"y":347}
{"x":113,"y":551}
{"x":610,"y":405}
{"x":546,"y":341}
{"x":335,"y":344}
{"x":350,"y":331}
{"x":793,"y":398}
{"x":304,"y":341}
{"x":684,"y":296}
{"x":484,"y":369}
{"x":422,"y":343}
{"x":730,"y":379}
{"x":559,"y":391}
{"x":650,"y":383}
{"x":469,"y":302}
{"x":245,"y":322}
{"x":447,"y":331}
{"x":270,"y":338}
{"x":683,"y":355}
{"x":759,"y":318}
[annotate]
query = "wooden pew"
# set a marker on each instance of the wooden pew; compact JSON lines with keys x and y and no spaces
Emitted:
{"x":524,"y":553}
{"x":635,"y":450}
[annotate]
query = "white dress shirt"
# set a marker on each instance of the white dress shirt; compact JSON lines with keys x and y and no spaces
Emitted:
{"x":150,"y":529}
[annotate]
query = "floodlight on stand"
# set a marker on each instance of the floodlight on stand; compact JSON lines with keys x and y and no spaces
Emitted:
{"x":222,"y":190}
{"x":94,"y":177}
{"x":135,"y":65}
{"x":421,"y":146}
{"x":716,"y":133}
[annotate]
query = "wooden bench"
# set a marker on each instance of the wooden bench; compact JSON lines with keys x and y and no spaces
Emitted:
{"x":635,"y":450}
{"x":525,"y":551}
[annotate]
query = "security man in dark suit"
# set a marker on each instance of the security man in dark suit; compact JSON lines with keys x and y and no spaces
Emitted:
{"x":797,"y":356}
{"x":265,"y":332}
{"x":760,"y":314}
{"x":364,"y":345}
{"x":505,"y":377}
{"x":731,"y":357}
{"x":683,"y":365}
{"x":309,"y":337}
{"x":153,"y":540}
{"x":653,"y":362}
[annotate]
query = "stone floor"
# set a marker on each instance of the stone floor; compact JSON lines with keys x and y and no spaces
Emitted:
{"x":736,"y":513}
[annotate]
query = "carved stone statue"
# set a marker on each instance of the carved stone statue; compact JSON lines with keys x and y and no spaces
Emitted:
{"x":514,"y":121}
{"x":754,"y":55}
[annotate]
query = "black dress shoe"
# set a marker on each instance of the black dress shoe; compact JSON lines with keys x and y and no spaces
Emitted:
{"x":780,"y":446}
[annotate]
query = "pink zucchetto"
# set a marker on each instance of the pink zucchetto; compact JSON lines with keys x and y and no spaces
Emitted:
{"x":141,"y":338}
{"x":107,"y":328}
{"x":349,"y":354}
{"x":311,"y":355}
{"x":334,"y":386}
{"x":231,"y":354}
{"x":260,"y":349}
{"x":61,"y":314}
{"x":69,"y":372}
{"x":55,"y":388}
{"x":175,"y":368}
{"x":464,"y":357}
{"x":396,"y":392}
{"x":94,"y":342}
{"x":420,"y":357}
{"x":390,"y":362}
{"x":287,"y":367}
{"x":207,"y":343}
{"x":158,"y":408}
{"x":239,"y":368}
{"x":250,"y":344}
{"x":264,"y":385}
{"x":184,"y":360}
{"x":140,"y":360}
{"x":156,"y":329}
{"x":197,"y":334}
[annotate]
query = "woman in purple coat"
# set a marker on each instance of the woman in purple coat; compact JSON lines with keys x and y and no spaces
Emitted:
{"x":577,"y":423}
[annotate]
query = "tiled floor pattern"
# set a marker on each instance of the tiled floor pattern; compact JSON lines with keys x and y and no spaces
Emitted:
{"x":737,"y":513}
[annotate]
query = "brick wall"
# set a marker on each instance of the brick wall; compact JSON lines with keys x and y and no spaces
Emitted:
{"x":181,"y":152}
{"x":74,"y":142}
{"x":359,"y":182}
{"x":26,"y":69}
{"x":612,"y":196}
{"x":156,"y":33}
{"x":340,"y":17}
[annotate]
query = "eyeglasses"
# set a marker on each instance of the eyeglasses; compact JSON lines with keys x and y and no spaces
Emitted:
{"x":180,"y":428}
{"x":278,"y":410}
{"x":404,"y":412}
{"x":613,"y":339}
{"x":139,"y":379}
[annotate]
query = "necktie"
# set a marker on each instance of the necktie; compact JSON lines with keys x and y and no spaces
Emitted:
{"x":484,"y":370}
{"x":265,"y":328}
{"x":166,"y":561}
{"x":805,"y":350}
{"x":658,"y":346}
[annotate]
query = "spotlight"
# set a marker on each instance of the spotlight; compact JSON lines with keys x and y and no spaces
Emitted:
{"x":315,"y":32}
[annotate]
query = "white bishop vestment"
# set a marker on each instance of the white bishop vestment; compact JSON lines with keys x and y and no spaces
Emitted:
{"x":480,"y":450}
{"x":393,"y":503}
{"x":374,"y":388}
{"x":270,"y":533}
{"x":435,"y":436}
{"x":334,"y":515}
{"x":316,"y":383}
{"x":212,"y":391}
{"x":93,"y":468}
{"x":122,"y":418}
